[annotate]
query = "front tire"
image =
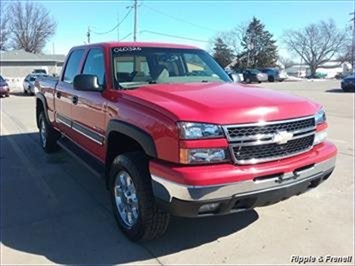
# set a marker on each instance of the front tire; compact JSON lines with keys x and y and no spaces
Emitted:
{"x":48,"y":135}
{"x":133,"y":203}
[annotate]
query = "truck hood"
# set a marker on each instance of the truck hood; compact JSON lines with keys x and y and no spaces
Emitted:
{"x":221,"y":103}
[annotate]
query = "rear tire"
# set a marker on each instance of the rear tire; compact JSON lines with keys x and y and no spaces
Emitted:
{"x":48,"y":135}
{"x":134,"y":198}
{"x":347,"y":89}
{"x":248,"y":80}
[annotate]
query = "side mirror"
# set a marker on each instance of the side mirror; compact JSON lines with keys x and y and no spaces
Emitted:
{"x":86,"y":82}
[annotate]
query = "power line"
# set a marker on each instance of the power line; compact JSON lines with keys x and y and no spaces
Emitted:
{"x":115,"y":27}
{"x":173,"y":36}
{"x":179,"y":19}
{"x":126,"y":36}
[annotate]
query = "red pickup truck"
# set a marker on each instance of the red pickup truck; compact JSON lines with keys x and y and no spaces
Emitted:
{"x":171,"y":134}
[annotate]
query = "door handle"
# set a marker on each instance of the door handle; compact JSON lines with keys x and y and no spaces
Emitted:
{"x":75,"y":99}
{"x":59,"y":94}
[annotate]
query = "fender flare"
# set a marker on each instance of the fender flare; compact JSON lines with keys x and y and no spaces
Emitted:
{"x":142,"y":137}
{"x":41,"y":97}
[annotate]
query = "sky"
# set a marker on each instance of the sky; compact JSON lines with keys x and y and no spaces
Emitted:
{"x":197,"y":21}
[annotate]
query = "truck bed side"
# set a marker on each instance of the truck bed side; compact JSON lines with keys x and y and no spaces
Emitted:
{"x":46,"y":89}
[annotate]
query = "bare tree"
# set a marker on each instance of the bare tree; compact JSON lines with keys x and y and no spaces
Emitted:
{"x":232,"y":38}
{"x":31,"y":26}
{"x":4,"y":32}
{"x":346,"y":54}
{"x":317,"y":43}
{"x":286,"y":62}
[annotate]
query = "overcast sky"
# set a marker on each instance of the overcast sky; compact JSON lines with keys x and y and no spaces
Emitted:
{"x":198,"y":21}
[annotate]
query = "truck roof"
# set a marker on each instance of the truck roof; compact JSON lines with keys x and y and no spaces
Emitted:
{"x":139,"y":44}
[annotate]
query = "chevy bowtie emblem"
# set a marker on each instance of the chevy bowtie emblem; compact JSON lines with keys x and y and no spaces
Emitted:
{"x":282,"y":137}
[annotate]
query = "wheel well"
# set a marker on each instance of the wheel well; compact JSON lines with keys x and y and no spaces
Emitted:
{"x":118,"y":143}
{"x":39,"y":109}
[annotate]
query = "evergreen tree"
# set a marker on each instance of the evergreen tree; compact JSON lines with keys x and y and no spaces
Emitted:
{"x":259,"y":47}
{"x":222,"y":54}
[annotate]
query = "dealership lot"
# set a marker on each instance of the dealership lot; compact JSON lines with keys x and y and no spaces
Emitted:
{"x":55,"y":211}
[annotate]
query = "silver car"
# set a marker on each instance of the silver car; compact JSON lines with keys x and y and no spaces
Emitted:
{"x":29,"y":82}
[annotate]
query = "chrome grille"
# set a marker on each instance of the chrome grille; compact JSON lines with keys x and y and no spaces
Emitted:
{"x":270,"y":151}
{"x":268,"y":141}
{"x":238,"y":132}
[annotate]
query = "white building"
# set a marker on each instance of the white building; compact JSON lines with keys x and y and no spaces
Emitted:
{"x":16,"y":64}
{"x":329,"y":69}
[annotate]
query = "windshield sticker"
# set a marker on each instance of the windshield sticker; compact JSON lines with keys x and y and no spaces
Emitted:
{"x":127,"y":49}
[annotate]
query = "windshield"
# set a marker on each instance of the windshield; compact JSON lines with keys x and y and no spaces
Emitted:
{"x":136,"y":66}
{"x":254,"y":71}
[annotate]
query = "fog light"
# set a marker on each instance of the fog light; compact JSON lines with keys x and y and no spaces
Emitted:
{"x":198,"y":156}
{"x":320,"y":137}
{"x":210,"y":207}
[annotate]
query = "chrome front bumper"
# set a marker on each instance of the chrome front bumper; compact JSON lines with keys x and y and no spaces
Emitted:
{"x":166,"y":190}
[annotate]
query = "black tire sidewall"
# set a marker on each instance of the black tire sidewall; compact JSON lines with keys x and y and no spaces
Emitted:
{"x":41,"y":118}
{"x":51,"y":135}
{"x":124,"y":162}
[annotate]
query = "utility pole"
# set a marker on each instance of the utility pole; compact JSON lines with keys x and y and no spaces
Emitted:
{"x":135,"y":21}
{"x":118,"y":28}
{"x":88,"y":35}
{"x":353,"y":46}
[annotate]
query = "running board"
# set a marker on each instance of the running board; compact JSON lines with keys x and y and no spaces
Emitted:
{"x":90,"y":162}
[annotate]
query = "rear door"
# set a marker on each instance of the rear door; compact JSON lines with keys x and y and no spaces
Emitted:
{"x":64,"y":92}
{"x":88,"y":112}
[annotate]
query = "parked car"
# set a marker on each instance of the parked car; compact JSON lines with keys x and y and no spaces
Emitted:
{"x":29,"y":82}
{"x":4,"y":88}
{"x":235,"y":76}
{"x":348,"y":83}
{"x":39,"y":71}
{"x":274,"y":74}
{"x":170,"y":134}
{"x":317,"y":75}
{"x":253,"y":75}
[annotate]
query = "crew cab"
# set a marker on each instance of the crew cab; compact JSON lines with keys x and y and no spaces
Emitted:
{"x":172,"y":135}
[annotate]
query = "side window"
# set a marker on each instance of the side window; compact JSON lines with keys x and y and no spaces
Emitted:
{"x":94,"y":65}
{"x":196,"y":66}
{"x":72,"y":67}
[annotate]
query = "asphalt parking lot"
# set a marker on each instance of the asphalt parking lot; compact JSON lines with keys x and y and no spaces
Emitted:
{"x":55,"y":211}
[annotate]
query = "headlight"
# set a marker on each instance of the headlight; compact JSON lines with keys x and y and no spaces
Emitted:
{"x":321,"y":133}
{"x":320,"y":117}
{"x":202,"y":156}
{"x":190,"y":130}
